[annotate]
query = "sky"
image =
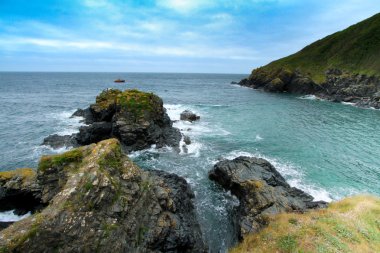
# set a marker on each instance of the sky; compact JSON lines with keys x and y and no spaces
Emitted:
{"x":185,"y":36}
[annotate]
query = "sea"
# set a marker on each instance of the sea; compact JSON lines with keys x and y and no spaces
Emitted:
{"x":330,"y":150}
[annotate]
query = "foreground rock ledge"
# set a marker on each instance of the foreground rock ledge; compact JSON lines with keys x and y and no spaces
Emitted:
{"x":138,"y":119}
{"x":98,"y":200}
{"x":261,"y":190}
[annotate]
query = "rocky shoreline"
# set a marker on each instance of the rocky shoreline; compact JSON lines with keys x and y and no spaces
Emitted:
{"x":93,"y":198}
{"x":339,"y":86}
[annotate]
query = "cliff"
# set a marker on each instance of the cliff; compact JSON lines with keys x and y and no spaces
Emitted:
{"x":93,"y":199}
{"x":344,"y":66}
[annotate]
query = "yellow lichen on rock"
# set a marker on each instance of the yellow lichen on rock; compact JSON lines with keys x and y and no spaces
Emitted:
{"x":24,"y":173}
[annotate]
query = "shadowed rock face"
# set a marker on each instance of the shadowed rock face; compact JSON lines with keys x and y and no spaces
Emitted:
{"x":261,"y":190}
{"x":138,"y":119}
{"x":19,"y":191}
{"x":98,"y":200}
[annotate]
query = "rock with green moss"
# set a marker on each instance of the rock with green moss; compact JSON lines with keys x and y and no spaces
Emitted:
{"x":261,"y":190}
{"x":97,"y":200}
{"x":138,"y":119}
{"x":344,"y":66}
{"x":19,"y":191}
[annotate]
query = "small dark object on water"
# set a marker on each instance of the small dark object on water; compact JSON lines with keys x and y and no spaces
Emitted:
{"x":119,"y":81}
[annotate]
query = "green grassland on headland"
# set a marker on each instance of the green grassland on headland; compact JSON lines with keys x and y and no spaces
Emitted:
{"x":355,"y":50}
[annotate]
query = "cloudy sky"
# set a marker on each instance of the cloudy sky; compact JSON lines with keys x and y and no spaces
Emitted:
{"x":213,"y":36}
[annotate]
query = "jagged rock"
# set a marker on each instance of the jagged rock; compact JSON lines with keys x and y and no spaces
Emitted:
{"x":19,"y":191}
{"x":86,"y":114}
{"x":57,"y":141}
{"x":186,"y":140}
{"x":98,"y":200}
{"x":189,"y":116}
{"x":138,"y":119}
{"x":261,"y":190}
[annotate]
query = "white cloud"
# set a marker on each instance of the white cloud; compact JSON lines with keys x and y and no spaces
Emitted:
{"x":194,"y":51}
{"x":185,"y":6}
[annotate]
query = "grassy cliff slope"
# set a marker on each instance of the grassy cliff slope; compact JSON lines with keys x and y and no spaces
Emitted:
{"x":355,"y":49}
{"x":350,"y":225}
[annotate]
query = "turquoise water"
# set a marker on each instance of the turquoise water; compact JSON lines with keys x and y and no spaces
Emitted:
{"x":327,"y":149}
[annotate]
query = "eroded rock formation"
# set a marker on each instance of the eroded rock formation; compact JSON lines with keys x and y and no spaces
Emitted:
{"x":261,"y":190}
{"x":97,"y":200}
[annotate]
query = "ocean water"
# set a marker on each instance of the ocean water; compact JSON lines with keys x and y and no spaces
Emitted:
{"x":329,"y":150}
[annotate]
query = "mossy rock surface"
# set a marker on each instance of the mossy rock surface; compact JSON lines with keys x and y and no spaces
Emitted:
{"x":138,"y":103}
{"x":26,"y":174}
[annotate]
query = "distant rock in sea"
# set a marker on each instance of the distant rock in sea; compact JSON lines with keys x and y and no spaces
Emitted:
{"x":189,"y":116}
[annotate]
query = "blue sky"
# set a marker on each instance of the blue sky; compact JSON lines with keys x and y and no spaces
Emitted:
{"x":211,"y":36}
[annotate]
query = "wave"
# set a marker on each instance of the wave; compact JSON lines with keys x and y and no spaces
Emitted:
{"x":311,"y":97}
{"x":294,"y":177}
{"x":65,"y":124}
{"x":9,"y":216}
{"x":194,"y":129}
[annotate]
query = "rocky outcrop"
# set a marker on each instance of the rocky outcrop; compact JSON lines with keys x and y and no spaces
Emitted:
{"x":138,"y":119}
{"x":189,"y":116}
{"x":338,"y":85}
{"x":98,"y":200}
{"x":19,"y":191}
{"x":261,"y":190}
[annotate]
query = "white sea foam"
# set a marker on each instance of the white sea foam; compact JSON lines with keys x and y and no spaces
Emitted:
{"x":66,"y":124}
{"x":294,"y":177}
{"x":311,"y":97}
{"x":194,"y":129}
{"x":10,"y":216}
{"x":258,"y":137}
{"x":348,"y":103}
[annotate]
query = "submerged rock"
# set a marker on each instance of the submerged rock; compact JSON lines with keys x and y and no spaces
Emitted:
{"x":138,"y":119}
{"x":98,"y":200}
{"x":189,"y":116}
{"x":261,"y":190}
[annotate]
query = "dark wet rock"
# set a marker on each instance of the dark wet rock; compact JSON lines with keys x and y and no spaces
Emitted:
{"x":233,"y":82}
{"x":138,"y":119}
{"x":5,"y":224}
{"x":339,"y":85}
{"x":95,"y":132}
{"x":58,"y":141}
{"x":19,"y":191}
{"x":186,"y":140}
{"x":189,"y":116}
{"x":86,"y":114}
{"x":97,"y":200}
{"x":261,"y":190}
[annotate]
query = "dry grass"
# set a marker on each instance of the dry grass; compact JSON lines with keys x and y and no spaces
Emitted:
{"x":350,"y":225}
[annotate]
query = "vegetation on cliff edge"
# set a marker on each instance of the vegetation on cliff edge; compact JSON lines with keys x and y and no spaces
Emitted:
{"x":350,"y":225}
{"x":355,"y":49}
